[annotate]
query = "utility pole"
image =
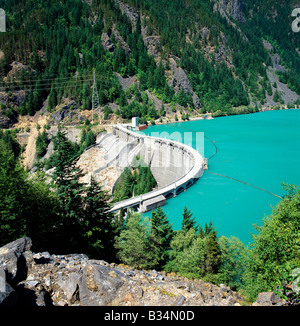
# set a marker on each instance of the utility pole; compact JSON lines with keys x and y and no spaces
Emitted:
{"x":95,"y":98}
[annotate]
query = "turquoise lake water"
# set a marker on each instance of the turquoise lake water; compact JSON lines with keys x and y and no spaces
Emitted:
{"x":262,"y":149}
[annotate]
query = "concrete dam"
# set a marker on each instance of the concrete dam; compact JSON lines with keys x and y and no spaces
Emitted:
{"x":174,"y":165}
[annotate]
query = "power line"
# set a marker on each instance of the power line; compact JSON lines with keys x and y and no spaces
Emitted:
{"x":54,"y":77}
{"x":45,"y":84}
{"x":48,"y":86}
{"x":57,"y":79}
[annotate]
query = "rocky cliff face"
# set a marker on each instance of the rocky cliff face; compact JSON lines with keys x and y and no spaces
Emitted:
{"x":233,"y":8}
{"x":8,"y":102}
{"x":42,"y":279}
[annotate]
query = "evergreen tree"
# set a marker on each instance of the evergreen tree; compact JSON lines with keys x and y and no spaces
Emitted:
{"x":188,"y":221}
{"x":38,"y":96}
{"x":132,"y":244}
{"x":159,"y":77}
{"x":160,"y":238}
{"x":162,"y":111}
{"x":201,"y":233}
{"x":124,"y":187}
{"x":212,"y":252}
{"x":120,"y":58}
{"x":12,"y":191}
{"x":27,"y":206}
{"x":123,"y":100}
{"x":52,"y":99}
{"x":10,"y":143}
{"x":83,"y":210}
{"x":69,"y":191}
{"x":208,"y":229}
{"x":97,"y":224}
{"x":42,"y":143}
{"x":42,"y":217}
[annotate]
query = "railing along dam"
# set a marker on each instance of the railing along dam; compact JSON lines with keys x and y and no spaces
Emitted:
{"x":174,"y":165}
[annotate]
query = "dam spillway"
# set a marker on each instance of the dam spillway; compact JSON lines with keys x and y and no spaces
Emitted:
{"x":175,"y":166}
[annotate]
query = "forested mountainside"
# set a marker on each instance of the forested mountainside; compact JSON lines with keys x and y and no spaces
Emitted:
{"x":151,"y":59}
{"x":272,"y":21}
{"x":200,"y":56}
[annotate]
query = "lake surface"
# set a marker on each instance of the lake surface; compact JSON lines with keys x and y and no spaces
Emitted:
{"x":262,"y":149}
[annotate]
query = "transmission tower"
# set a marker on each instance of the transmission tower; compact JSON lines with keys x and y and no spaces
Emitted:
{"x":95,"y":98}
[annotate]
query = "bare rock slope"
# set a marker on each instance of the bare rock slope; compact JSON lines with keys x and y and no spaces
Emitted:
{"x":43,"y":279}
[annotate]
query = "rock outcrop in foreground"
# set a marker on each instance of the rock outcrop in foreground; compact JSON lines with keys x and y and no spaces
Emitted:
{"x":41,"y":279}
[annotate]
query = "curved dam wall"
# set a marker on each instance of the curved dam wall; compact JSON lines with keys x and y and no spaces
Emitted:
{"x":168,"y":161}
{"x":174,"y":165}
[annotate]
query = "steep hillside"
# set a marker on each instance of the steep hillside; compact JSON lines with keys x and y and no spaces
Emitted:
{"x":192,"y":56}
{"x":272,"y":21}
